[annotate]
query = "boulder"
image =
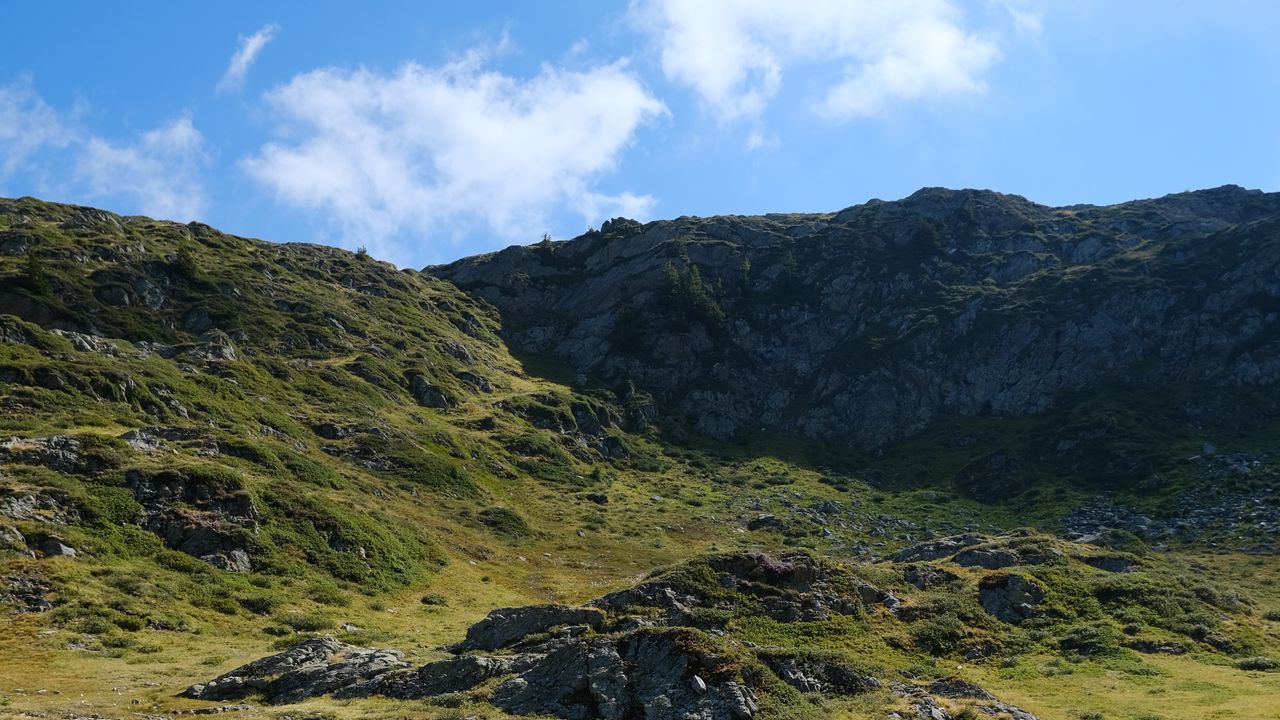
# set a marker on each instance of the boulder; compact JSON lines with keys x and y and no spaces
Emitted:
{"x":820,"y":676}
{"x":989,"y":558}
{"x":426,"y":394}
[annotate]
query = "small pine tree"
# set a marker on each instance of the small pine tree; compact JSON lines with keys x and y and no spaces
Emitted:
{"x":34,"y":276}
{"x":186,"y":264}
{"x":672,"y":285}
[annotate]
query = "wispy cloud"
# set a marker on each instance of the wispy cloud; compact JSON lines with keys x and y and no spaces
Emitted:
{"x":160,"y":170}
{"x":242,"y":60}
{"x":429,"y":149}
{"x":28,"y":126}
{"x":735,"y":53}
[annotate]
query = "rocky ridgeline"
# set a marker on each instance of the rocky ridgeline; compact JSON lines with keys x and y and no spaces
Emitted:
{"x":866,"y":324}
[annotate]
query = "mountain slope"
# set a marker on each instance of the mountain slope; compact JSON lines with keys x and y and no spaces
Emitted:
{"x":867,"y":325}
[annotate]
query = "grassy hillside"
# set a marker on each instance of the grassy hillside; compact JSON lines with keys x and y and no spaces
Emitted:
{"x":246,"y":444}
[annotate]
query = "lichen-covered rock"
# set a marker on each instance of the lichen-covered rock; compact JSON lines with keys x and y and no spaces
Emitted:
{"x":505,"y":626}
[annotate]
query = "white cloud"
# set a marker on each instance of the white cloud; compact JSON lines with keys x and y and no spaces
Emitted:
{"x":27,"y":126}
{"x":1027,"y":15}
{"x":160,"y":171}
{"x":435,"y":149}
{"x":733,"y":53}
{"x":238,"y":68}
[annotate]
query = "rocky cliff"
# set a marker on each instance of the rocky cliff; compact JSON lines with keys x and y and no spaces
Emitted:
{"x":865,"y":325}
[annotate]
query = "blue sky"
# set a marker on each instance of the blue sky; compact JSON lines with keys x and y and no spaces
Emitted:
{"x":426,"y":132}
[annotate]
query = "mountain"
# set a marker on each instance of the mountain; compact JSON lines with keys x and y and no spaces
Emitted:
{"x":865,"y":327}
{"x":959,"y":455}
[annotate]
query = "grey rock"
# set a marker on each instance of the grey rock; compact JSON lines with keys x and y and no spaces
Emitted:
{"x":1011,"y":598}
{"x":479,"y":382}
{"x":990,"y":558}
{"x":54,"y":547}
{"x":642,"y":674}
{"x":45,"y":506}
{"x":56,"y":452}
{"x":83,"y":342}
{"x":815,"y":675}
{"x":426,"y":394}
{"x":310,"y":668}
{"x":936,"y":549}
{"x":213,"y":346}
{"x":927,"y":576}
{"x":26,"y":593}
{"x":197,"y":517}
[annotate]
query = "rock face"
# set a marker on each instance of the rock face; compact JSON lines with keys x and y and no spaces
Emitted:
{"x":866,"y":324}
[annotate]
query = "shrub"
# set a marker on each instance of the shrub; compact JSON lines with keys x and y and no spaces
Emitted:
{"x":305,"y":622}
{"x":434,"y":599}
{"x":940,"y":634}
{"x":259,"y":604}
{"x":1259,"y":663}
{"x":327,"y":594}
{"x":505,"y":522}
{"x":1089,"y":640}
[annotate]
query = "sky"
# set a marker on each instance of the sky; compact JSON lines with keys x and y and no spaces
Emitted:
{"x":425,"y":132}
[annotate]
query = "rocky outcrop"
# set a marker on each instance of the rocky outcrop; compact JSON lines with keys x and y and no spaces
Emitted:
{"x":866,"y":324}
{"x":656,"y":650}
{"x":210,"y":518}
